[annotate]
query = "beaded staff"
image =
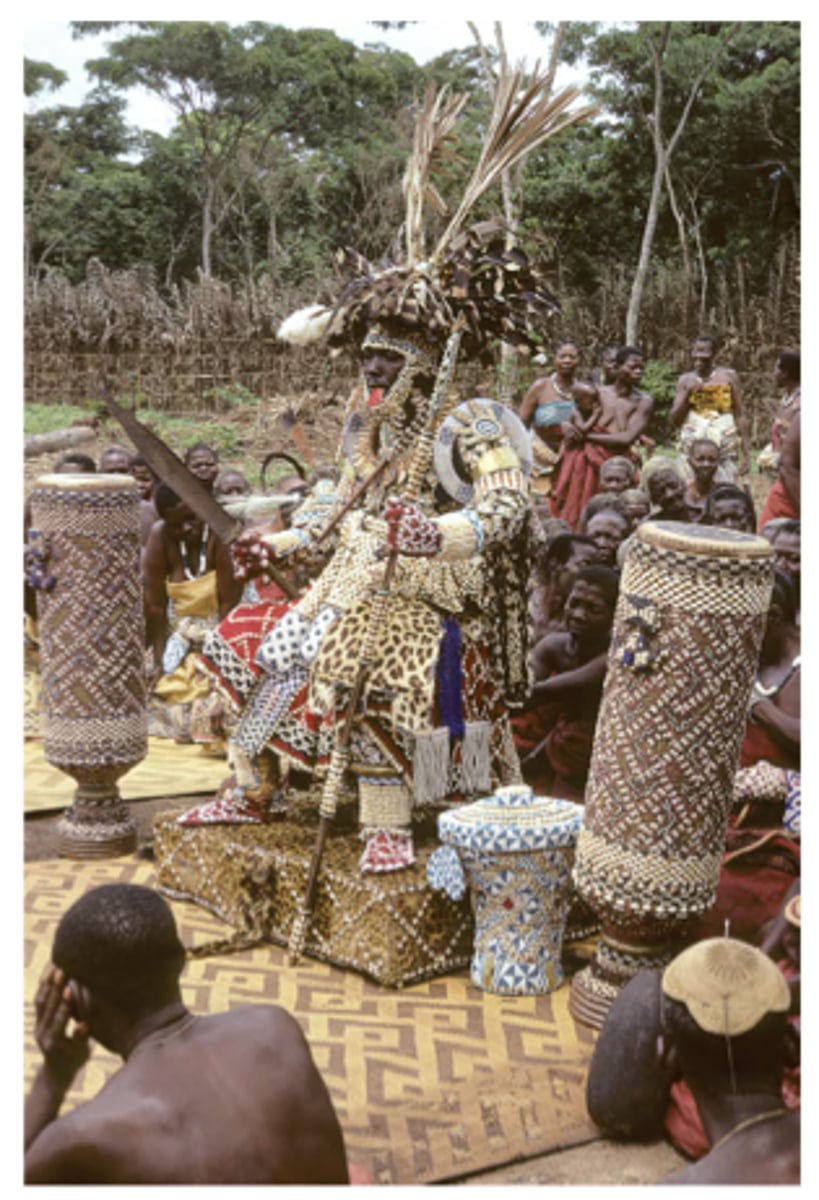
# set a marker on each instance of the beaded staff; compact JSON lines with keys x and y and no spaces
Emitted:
{"x":339,"y":759}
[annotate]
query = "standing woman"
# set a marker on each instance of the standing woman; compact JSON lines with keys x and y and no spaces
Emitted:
{"x":708,"y":404}
{"x":545,"y":409}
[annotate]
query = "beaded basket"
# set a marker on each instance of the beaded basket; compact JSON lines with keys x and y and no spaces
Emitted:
{"x":515,"y":851}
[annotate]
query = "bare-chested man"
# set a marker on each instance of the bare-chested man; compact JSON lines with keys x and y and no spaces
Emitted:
{"x":626,"y":409}
{"x":183,"y":553}
{"x":774,"y":730}
{"x":717,"y":1019}
{"x":554,"y":736}
{"x":230,"y":1098}
{"x":554,"y":571}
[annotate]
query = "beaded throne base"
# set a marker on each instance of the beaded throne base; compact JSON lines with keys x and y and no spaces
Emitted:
{"x":393,"y":928}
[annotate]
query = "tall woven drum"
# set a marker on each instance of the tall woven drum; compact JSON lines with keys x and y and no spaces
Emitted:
{"x":92,"y":636}
{"x":687,"y":633}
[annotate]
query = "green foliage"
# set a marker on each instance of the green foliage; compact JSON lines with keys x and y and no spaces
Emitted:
{"x":39,"y":76}
{"x":660,"y":381}
{"x":234,"y":395}
{"x":291,"y":143}
{"x":45,"y":418}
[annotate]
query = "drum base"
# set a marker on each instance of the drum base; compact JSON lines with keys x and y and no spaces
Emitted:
{"x":590,"y":999}
{"x":84,"y":841}
{"x":98,"y":824}
{"x":597,"y":986}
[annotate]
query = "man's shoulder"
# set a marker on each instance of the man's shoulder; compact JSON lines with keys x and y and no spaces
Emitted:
{"x":267,"y":1019}
{"x":553,"y":640}
{"x":80,"y":1146}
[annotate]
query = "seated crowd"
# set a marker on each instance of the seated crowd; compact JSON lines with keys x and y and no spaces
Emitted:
{"x":726,"y":1094}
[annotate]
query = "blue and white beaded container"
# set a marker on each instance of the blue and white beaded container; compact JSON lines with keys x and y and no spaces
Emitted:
{"x":515,"y":852}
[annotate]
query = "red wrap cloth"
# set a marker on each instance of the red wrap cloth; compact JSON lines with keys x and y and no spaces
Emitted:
{"x":244,"y":629}
{"x":778,"y":504}
{"x":578,"y":479}
{"x":759,"y":746}
{"x":561,"y":769}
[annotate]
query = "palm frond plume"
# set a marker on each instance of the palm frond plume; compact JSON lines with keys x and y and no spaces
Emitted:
{"x":432,"y":147}
{"x":523,"y":116}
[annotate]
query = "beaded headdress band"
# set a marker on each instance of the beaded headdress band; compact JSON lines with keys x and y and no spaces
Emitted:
{"x":377,"y":339}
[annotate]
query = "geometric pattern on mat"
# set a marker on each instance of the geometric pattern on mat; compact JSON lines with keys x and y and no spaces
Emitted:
{"x":430,"y":1082}
{"x":169,"y":769}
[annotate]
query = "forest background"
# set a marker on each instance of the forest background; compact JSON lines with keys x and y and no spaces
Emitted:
{"x":168,"y":261}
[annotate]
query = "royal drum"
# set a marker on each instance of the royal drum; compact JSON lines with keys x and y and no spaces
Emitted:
{"x":85,"y":531}
{"x":514,"y":851}
{"x":687,"y":632}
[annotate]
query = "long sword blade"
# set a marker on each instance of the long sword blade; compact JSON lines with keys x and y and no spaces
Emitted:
{"x":170,"y":468}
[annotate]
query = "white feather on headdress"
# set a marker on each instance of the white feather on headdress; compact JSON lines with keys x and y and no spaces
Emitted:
{"x":305,"y":326}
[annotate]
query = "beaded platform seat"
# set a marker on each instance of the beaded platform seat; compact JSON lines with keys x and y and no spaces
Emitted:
{"x":392,"y":927}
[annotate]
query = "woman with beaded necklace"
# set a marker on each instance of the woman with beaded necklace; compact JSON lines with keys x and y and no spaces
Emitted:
{"x":545,"y":409}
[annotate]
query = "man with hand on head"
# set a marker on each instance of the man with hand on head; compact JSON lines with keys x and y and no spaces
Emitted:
{"x":230,"y":1098}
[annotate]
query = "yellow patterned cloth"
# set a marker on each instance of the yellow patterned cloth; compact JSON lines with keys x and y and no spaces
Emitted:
{"x":430,"y":1082}
{"x":197,"y":597}
{"x":167,"y":770}
{"x":181,"y":703}
{"x":711,"y":398}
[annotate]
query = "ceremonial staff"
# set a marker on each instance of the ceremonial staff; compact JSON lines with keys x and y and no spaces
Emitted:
{"x":340,"y":756}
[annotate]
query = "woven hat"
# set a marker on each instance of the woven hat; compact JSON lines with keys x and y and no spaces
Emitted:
{"x":793,"y":912}
{"x":727,"y":986}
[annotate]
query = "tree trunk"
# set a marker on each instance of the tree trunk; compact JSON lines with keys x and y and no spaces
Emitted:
{"x":662,"y":157}
{"x":58,"y":439}
{"x":641,"y":274}
{"x":207,"y":229}
{"x":686,"y":257}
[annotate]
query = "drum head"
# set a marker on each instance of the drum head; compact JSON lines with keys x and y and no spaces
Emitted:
{"x":703,"y":539}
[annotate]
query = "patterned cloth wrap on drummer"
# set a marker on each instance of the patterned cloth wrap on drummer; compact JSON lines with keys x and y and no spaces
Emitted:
{"x":516,"y":851}
{"x":687,"y":631}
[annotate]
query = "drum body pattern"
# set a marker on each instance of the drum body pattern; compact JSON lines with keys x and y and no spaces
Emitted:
{"x":92,"y":636}
{"x":687,"y":632}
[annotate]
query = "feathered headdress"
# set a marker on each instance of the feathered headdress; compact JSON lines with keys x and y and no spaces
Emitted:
{"x":471,"y":272}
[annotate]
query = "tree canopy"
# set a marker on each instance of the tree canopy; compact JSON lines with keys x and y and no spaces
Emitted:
{"x":289,"y":143}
